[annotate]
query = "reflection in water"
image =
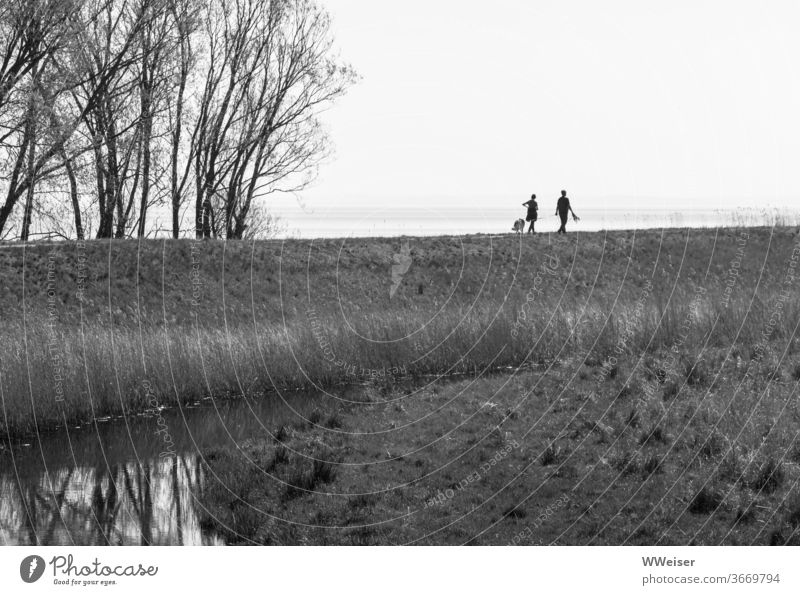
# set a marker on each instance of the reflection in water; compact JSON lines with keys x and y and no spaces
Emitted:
{"x":128,"y":504}
{"x":107,"y":484}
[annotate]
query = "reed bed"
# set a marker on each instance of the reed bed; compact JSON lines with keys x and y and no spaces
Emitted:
{"x":51,"y":375}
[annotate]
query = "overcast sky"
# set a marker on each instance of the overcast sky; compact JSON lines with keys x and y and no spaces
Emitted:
{"x":676,"y":104}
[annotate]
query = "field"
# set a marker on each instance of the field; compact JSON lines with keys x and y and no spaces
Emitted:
{"x":620,"y":387}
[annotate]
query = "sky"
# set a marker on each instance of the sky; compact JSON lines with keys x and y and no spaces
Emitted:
{"x":626,"y":104}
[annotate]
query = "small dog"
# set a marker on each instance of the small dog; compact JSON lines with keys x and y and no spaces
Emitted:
{"x":519,"y":226}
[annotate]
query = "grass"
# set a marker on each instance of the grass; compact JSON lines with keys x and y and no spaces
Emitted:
{"x":231,"y":506}
{"x":706,"y":501}
{"x":603,"y":388}
{"x":669,"y":420}
{"x":174,"y":321}
{"x":447,"y":469}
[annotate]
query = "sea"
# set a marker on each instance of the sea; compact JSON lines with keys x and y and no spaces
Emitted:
{"x":418,"y":221}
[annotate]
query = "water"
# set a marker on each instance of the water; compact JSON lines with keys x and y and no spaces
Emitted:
{"x":347,"y":221}
{"x":107,"y":484}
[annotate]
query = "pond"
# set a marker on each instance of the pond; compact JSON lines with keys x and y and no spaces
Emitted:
{"x":112,"y":483}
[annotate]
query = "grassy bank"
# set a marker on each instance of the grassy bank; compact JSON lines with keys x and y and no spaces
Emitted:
{"x":108,"y":328}
{"x":572,"y":453}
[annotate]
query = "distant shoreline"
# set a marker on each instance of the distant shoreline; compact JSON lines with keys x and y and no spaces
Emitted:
{"x":571,"y":231}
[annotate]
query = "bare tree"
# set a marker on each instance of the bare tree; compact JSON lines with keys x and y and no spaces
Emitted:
{"x":111,"y":107}
{"x":116,"y":101}
{"x":269,"y":72}
{"x":186,"y":20}
{"x":31,"y":31}
{"x":161,"y":37}
{"x":77,"y":65}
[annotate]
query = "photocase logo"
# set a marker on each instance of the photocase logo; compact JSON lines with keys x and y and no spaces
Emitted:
{"x":31,"y":569}
{"x":402,"y":262}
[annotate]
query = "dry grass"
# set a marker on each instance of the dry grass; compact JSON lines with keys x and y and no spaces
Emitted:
{"x":298,"y":315}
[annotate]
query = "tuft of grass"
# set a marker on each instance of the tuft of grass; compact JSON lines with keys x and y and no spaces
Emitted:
{"x":279,"y":457}
{"x":706,"y":501}
{"x":281,"y":434}
{"x":333,"y":421}
{"x":362,"y":501}
{"x":696,"y":372}
{"x":713,"y":446}
{"x":613,"y":370}
{"x":550,"y":455}
{"x":794,"y":453}
{"x":656,"y":435}
{"x":788,"y":531}
{"x":227,"y":510}
{"x":304,"y":475}
{"x":651,"y":466}
{"x":745,"y":515}
{"x":730,"y":469}
{"x":323,"y":471}
{"x":671,"y":390}
{"x":793,"y":518}
{"x":360,"y":536}
{"x":515,"y":512}
{"x":497,"y":436}
{"x":627,"y":463}
{"x":769,"y":477}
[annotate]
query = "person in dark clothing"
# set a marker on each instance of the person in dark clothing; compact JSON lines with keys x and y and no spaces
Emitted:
{"x":563,"y":209}
{"x":533,"y":212}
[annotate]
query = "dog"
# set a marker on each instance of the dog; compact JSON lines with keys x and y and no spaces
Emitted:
{"x":519,"y":226}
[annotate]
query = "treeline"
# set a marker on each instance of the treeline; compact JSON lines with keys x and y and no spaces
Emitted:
{"x":113,"y":110}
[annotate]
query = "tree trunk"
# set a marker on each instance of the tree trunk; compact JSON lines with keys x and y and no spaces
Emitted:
{"x":147,"y":131}
{"x":176,"y":134}
{"x":73,"y":194}
{"x":14,"y":191}
{"x":30,"y":124}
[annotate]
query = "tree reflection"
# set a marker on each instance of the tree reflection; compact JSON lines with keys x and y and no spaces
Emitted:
{"x":148,"y":503}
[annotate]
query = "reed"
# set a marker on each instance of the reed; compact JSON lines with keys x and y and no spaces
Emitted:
{"x":76,"y":368}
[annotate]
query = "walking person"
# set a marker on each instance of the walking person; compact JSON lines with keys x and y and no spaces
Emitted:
{"x":533,"y":212}
{"x":563,"y":209}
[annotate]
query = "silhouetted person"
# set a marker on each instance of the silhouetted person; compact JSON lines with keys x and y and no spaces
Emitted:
{"x":563,"y":209}
{"x":533,"y":212}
